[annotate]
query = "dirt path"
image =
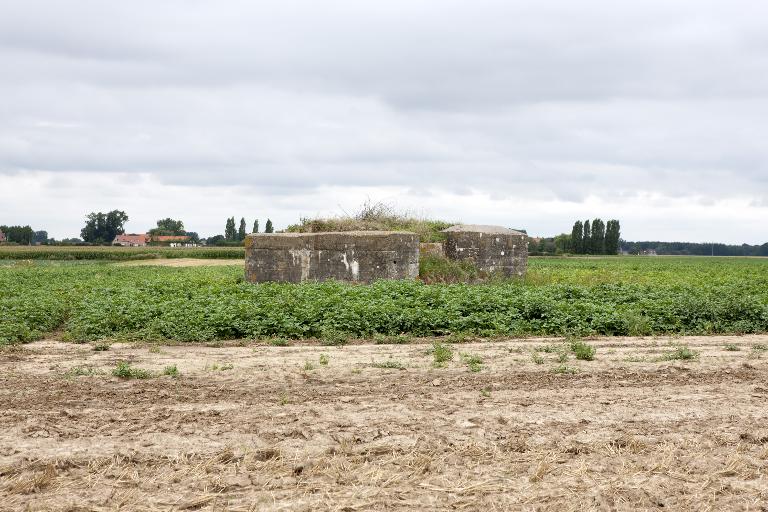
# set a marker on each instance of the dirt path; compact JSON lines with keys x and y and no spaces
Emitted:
{"x":272,"y":428}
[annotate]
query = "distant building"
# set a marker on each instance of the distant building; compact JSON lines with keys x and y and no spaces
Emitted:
{"x":2,"y":237}
{"x":172,"y":240}
{"x":132,"y":240}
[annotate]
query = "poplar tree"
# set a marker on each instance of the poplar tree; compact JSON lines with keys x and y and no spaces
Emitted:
{"x":598,"y":236}
{"x":241,"y":230}
{"x":577,"y":235}
{"x":256,"y":226}
{"x":268,"y":228}
{"x":229,"y":232}
{"x":586,"y":246}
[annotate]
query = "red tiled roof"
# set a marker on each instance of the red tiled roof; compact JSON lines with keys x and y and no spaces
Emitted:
{"x":170,"y":238}
{"x":131,"y":239}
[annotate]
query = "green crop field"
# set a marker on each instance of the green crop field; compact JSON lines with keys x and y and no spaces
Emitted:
{"x":85,"y":301}
{"x":45,"y":252}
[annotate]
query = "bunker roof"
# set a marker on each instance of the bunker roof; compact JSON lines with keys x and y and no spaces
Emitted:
{"x":479,"y":228}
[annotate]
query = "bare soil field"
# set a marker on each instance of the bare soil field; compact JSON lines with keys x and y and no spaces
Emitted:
{"x":258,"y":427}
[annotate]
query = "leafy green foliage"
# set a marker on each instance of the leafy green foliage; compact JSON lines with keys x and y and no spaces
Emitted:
{"x":126,"y":371}
{"x":171,"y":371}
{"x":583,"y":351}
{"x":682,"y":353}
{"x":473,"y":362}
{"x":560,"y":297}
{"x":442,"y":353}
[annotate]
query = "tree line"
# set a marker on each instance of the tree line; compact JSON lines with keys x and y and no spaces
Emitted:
{"x":23,"y":235}
{"x":596,"y":237}
{"x":694,"y":249}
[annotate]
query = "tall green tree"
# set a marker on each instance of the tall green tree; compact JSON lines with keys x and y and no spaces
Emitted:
{"x":612,"y":236}
{"x":577,"y":237}
{"x":168,"y":227}
{"x":586,"y":246}
{"x":22,"y":235}
{"x":102,"y":228}
{"x":255,"y":226}
{"x":268,"y":228}
{"x":229,"y":231}
{"x":241,"y":230}
{"x":598,"y":237}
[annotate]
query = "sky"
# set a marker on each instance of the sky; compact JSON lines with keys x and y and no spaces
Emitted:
{"x":528,"y":115}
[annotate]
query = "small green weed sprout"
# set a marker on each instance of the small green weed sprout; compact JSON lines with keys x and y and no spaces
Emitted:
{"x":171,"y":371}
{"x":634,"y":359}
{"x":227,"y":366}
{"x":389,"y":364}
{"x":565,"y":369}
{"x":682,"y":353}
{"x":732,"y":348}
{"x":126,"y":371}
{"x":583,"y":351}
{"x":279,"y":342}
{"x":154,"y":349}
{"x":485,"y":392}
{"x":548,"y":349}
{"x":473,"y":362}
{"x":324,"y":359}
{"x":562,"y":357}
{"x":760,"y":347}
{"x":537,"y":358}
{"x":308,"y":366}
{"x":101,"y":347}
{"x":442,"y":353}
{"x":81,"y":371}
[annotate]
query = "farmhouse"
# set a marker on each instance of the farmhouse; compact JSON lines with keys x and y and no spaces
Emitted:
{"x":172,"y":240}
{"x":132,"y":240}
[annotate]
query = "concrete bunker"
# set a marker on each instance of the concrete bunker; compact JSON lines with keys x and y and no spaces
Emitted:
{"x":493,"y":249}
{"x":357,"y":256}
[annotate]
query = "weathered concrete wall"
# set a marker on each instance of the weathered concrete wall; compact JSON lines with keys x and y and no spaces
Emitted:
{"x":360,"y":256}
{"x":493,"y":249}
{"x":431,"y":249}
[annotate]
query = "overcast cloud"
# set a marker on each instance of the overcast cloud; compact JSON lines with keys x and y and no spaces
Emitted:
{"x":527,"y":115}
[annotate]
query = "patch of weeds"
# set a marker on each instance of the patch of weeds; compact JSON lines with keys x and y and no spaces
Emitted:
{"x":548,"y":349}
{"x":308,"y":366}
{"x":485,"y":392}
{"x":171,"y":371}
{"x":283,"y":399}
{"x":460,"y":337}
{"x":215,"y":344}
{"x":324,"y":359}
{"x":682,"y":353}
{"x":279,"y":342}
{"x":126,"y":371}
{"x":81,"y":371}
{"x":441,"y":353}
{"x":400,"y":339}
{"x":473,"y":362}
{"x":565,"y":369}
{"x":562,"y":357}
{"x":219,"y":367}
{"x":537,"y":358}
{"x":356,"y":371}
{"x":583,"y":351}
{"x":390,"y":364}
{"x":101,"y":347}
{"x":760,"y":347}
{"x":516,"y":350}
{"x":732,"y":348}
{"x":154,"y":349}
{"x":332,"y":337}
{"x":634,"y":359}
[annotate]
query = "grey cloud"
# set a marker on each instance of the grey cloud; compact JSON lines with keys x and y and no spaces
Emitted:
{"x":557,"y":100}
